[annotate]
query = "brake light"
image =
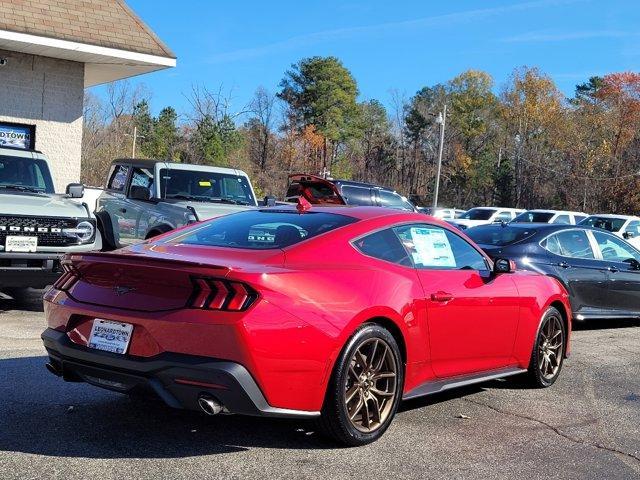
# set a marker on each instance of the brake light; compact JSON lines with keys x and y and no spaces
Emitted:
{"x":218,"y":294}
{"x":68,"y":278}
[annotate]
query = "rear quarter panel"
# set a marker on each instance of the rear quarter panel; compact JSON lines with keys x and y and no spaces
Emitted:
{"x":537,"y":294}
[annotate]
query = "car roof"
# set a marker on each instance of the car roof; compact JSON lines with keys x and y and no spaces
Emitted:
{"x":544,"y":228}
{"x":610,"y":215}
{"x":544,"y":210}
{"x":359,"y":212}
{"x":151,"y":162}
{"x":338,"y":181}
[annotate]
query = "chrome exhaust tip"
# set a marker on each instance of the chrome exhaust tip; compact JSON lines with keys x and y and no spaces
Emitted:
{"x":209,"y":405}
{"x":53,"y":369}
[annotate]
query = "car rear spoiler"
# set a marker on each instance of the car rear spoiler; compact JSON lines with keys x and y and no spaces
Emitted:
{"x":305,"y":181}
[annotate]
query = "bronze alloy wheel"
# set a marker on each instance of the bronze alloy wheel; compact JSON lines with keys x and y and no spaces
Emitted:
{"x":548,"y":350}
{"x":370,"y":386}
{"x":365,"y":388}
{"x":550,"y":347}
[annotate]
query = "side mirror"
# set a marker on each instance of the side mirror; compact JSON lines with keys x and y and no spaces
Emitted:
{"x":75,"y":190}
{"x":633,"y":263}
{"x":627,"y":235}
{"x":138,"y":192}
{"x":504,"y":265}
{"x":269,"y":201}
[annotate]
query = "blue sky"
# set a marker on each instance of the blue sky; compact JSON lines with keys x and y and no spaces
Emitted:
{"x":401,"y":45}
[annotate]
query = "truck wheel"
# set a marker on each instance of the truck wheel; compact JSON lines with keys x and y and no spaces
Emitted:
{"x":159,"y":230}
{"x":110,"y":240}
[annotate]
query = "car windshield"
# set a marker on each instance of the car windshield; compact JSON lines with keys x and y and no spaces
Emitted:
{"x":205,"y":186}
{"x":24,"y":174}
{"x":478,"y":214}
{"x":605,"y":223}
{"x":499,"y":236}
{"x":533,"y":217}
{"x":261,"y":229}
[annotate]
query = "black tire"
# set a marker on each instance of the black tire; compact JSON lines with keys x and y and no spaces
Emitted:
{"x":110,"y":239}
{"x":334,"y":421}
{"x":538,"y":364}
{"x":159,"y":230}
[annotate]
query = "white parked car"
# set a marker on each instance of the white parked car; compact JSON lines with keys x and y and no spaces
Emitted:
{"x":442,"y":213}
{"x":485,"y":216}
{"x":550,"y":216}
{"x":624,"y":226}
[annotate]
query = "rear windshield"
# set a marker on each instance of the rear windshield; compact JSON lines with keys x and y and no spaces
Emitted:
{"x":610,"y":224}
{"x":262,"y":229}
{"x":533,"y":217}
{"x":499,"y":236}
{"x":478,"y":214}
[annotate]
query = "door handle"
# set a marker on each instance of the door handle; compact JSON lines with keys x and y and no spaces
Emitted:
{"x":564,"y":265}
{"x":123,"y":210}
{"x":441,"y":297}
{"x":613,"y":269}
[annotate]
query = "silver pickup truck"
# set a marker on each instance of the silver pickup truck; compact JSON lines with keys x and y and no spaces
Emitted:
{"x":144,"y":198}
{"x":37,"y":226}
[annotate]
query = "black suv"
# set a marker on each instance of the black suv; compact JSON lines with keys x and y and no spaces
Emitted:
{"x":318,"y":190}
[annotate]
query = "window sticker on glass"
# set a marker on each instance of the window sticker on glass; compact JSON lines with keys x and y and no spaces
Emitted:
{"x":432,"y":247}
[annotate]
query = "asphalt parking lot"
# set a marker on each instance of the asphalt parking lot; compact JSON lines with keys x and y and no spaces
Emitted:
{"x":585,"y":426}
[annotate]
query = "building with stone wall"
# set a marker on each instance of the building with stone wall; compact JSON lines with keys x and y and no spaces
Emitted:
{"x":50,"y":51}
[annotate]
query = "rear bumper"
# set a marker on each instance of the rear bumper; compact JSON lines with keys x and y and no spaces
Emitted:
{"x":177,"y":379}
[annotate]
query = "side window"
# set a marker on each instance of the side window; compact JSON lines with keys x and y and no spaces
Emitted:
{"x":571,"y":243}
{"x":118,"y":178}
{"x":142,"y":177}
{"x":634,"y":227}
{"x":384,"y":245}
{"x":563,"y":219}
{"x":503,"y":217}
{"x":357,"y":195}
{"x":579,"y":218}
{"x":436,"y":248}
{"x":391,"y":200}
{"x":615,"y":250}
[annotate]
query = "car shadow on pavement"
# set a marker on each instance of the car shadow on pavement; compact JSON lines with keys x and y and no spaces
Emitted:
{"x":43,"y":415}
{"x":604,"y":324}
{"x":28,"y":300}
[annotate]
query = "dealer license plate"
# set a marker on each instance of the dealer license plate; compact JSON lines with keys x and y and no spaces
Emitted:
{"x":110,"y":336}
{"x":16,"y":243}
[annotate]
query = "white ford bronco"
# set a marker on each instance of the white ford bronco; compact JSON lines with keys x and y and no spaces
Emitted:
{"x":38,"y":226}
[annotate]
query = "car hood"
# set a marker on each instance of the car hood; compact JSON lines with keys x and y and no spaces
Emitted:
{"x":25,"y":203}
{"x":209,"y":210}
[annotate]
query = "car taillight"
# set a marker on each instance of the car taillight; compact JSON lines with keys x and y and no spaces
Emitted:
{"x":219,"y":294}
{"x":68,"y":278}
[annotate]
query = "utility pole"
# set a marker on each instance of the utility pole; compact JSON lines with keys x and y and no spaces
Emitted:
{"x":135,"y":140}
{"x":442,"y":120}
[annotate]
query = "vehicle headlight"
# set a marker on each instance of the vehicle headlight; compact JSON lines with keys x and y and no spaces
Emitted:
{"x":83,"y":231}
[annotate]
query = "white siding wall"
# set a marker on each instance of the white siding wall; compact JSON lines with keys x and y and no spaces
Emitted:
{"x":47,"y":93}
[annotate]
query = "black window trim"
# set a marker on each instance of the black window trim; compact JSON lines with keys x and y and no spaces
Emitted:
{"x":597,"y":256}
{"x":608,"y":233}
{"x":487,"y":260}
{"x":127,"y":182}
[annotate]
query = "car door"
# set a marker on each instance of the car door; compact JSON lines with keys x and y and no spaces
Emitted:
{"x":112,"y":200}
{"x":623,"y":278}
{"x":472,"y":313}
{"x":575,"y":262}
{"x":137,"y":209}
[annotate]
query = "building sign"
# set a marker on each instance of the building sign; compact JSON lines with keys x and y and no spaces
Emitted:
{"x":17,"y":136}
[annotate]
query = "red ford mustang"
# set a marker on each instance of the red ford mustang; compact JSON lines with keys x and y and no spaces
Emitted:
{"x":335,"y":313}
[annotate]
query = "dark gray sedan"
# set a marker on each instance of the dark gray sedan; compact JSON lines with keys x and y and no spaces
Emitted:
{"x":600,"y":271}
